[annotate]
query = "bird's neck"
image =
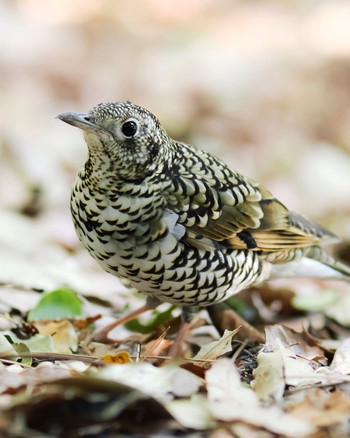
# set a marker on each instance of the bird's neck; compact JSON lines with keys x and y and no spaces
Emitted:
{"x":103,"y":177}
{"x":97,"y":170}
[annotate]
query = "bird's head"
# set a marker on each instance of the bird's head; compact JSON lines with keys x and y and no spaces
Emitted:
{"x":122,"y":138}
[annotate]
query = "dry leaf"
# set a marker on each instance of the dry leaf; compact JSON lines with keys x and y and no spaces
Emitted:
{"x":120,"y":357}
{"x":230,"y":400}
{"x":322,"y":408}
{"x":15,"y":377}
{"x":339,"y":310}
{"x":163,"y":383}
{"x":286,"y":360}
{"x":280,"y":368}
{"x":215,"y":349}
{"x":63,"y":334}
{"x":341,"y":359}
{"x":269,"y":381}
{"x":300,"y":344}
{"x":193,"y":413}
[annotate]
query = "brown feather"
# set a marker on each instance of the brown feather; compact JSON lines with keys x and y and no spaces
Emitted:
{"x":255,"y":220}
{"x":266,"y":225}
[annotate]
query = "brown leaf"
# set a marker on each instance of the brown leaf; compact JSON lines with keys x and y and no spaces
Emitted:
{"x":214,"y":349}
{"x":300,"y":344}
{"x":225,"y":318}
{"x":322,"y":408}
{"x":230,"y":400}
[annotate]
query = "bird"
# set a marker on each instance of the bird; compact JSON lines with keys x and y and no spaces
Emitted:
{"x":176,"y":223}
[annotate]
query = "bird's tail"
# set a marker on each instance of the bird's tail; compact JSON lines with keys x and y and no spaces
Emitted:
{"x":317,"y":264}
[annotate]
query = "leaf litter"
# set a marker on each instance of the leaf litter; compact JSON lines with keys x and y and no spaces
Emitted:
{"x":293,"y":382}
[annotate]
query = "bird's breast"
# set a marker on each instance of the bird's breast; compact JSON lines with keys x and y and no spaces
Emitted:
{"x":141,"y":239}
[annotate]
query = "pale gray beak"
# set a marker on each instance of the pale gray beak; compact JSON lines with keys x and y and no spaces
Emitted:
{"x":80,"y":120}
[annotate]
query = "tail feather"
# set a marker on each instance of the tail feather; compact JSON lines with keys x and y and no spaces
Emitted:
{"x":317,"y":264}
{"x":319,"y":254}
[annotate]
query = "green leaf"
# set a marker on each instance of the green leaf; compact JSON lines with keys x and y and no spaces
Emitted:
{"x":317,"y":302}
{"x":58,"y":304}
{"x":23,"y":350}
{"x":14,"y":350}
{"x":37,"y":343}
{"x":158,"y":318}
{"x":241,"y":307}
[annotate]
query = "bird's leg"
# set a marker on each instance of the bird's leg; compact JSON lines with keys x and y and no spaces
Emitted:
{"x":102,"y":335}
{"x":187,"y":317}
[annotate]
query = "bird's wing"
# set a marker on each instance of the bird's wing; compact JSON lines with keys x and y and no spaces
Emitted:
{"x":222,"y":206}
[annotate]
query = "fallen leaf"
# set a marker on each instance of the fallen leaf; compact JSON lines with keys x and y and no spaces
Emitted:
{"x":163,"y":383}
{"x":120,"y":357}
{"x":193,"y":413}
{"x":322,"y":408}
{"x":341,"y":359}
{"x":73,"y":404}
{"x":339,"y":310}
{"x":229,"y":400}
{"x":317,"y":302}
{"x":16,"y":376}
{"x":299,"y":343}
{"x":225,"y":317}
{"x":215,"y":349}
{"x":63,"y":334}
{"x":269,"y":381}
{"x":279,"y":369}
{"x":23,"y":352}
{"x":37,"y":343}
{"x":57,"y":304}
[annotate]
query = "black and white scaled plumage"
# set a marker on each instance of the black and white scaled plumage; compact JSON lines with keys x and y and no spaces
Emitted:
{"x":176,"y":222}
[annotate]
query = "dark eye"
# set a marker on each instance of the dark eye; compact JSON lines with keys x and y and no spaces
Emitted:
{"x":129,"y":128}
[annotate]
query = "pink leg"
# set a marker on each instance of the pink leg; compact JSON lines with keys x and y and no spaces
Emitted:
{"x":187,"y":316}
{"x":102,"y":335}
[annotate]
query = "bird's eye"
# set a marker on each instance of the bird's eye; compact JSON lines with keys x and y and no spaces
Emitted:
{"x":129,"y":128}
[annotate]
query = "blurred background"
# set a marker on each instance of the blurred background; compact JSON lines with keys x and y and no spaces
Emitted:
{"x":265,"y":85}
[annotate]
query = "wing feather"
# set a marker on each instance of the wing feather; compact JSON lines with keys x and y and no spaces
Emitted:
{"x":237,"y":212}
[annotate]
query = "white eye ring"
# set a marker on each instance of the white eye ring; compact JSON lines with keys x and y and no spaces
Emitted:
{"x":130,"y":128}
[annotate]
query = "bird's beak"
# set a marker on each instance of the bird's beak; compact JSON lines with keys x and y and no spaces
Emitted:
{"x":81,"y":120}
